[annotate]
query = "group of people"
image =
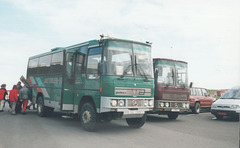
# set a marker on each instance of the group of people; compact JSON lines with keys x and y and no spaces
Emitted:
{"x":18,"y":98}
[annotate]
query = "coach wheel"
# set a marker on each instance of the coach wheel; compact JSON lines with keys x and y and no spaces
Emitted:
{"x":136,"y":122}
{"x":172,"y":116}
{"x":88,"y":117}
{"x":40,"y":107}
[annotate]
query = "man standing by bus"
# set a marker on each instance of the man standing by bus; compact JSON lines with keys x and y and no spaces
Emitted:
{"x":24,"y":96}
{"x":3,"y":93}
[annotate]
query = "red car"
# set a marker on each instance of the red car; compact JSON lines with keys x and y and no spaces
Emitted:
{"x":200,"y":98}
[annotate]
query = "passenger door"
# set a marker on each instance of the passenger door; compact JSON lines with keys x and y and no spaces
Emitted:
{"x":69,"y":82}
{"x":80,"y":70}
{"x":92,"y":80}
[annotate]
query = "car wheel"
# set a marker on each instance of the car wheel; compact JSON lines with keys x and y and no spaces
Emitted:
{"x":88,"y":117}
{"x":197,"y":108}
{"x":172,"y":116}
{"x":136,"y":122}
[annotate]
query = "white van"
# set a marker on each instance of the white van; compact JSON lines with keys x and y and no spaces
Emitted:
{"x":228,"y":104}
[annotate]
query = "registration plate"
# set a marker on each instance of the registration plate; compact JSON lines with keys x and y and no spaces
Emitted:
{"x":175,"y":110}
{"x":222,"y":114}
{"x":134,"y":112}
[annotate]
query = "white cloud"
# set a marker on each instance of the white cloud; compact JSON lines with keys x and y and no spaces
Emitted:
{"x":204,"y":31}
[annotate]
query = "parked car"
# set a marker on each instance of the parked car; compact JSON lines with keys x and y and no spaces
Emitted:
{"x":200,"y":98}
{"x":228,"y":104}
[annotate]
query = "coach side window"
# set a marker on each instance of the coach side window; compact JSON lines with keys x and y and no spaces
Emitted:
{"x":81,"y":56}
{"x":32,"y":66}
{"x":70,"y":66}
{"x":57,"y":62}
{"x":44,"y":64}
{"x":94,"y":57}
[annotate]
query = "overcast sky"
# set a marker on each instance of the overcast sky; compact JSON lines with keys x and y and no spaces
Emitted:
{"x":204,"y":33}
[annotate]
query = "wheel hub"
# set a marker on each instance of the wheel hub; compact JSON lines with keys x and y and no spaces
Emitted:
{"x":86,"y":117}
{"x":39,"y":108}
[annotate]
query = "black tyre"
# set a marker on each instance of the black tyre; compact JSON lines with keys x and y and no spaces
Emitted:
{"x":136,"y":122}
{"x":88,"y":117}
{"x":197,"y":108}
{"x":41,"y":109}
{"x":173,"y":116}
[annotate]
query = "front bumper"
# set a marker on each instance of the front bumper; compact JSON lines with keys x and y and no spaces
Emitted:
{"x":218,"y":112}
{"x":132,"y":108}
{"x":174,"y":106}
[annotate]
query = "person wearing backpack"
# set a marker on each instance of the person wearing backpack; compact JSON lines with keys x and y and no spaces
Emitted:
{"x":3,"y":93}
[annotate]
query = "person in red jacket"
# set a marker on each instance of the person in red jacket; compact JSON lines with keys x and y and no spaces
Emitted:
{"x":3,"y":93}
{"x":13,"y":97}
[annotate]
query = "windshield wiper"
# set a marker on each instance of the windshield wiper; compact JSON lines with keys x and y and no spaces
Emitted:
{"x":141,"y":72}
{"x":125,"y":71}
{"x":140,"y":69}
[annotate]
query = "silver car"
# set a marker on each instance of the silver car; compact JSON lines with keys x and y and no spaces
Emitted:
{"x":228,"y":104}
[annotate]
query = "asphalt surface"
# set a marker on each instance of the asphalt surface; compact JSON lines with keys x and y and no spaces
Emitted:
{"x":188,"y":131}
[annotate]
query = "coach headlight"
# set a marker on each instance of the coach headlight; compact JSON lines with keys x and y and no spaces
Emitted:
{"x":145,"y":102}
{"x":150,"y":102}
{"x":161,"y":104}
{"x":184,"y":105}
{"x":167,"y":104}
{"x":113,"y":103}
{"x":121,"y":103}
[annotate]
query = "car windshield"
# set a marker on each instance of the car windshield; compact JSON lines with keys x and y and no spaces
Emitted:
{"x":233,"y":93}
{"x":128,"y":59}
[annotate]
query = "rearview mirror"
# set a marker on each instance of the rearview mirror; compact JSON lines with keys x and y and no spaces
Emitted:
{"x":191,"y":84}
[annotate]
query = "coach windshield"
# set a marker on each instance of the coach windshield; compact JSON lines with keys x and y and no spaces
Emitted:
{"x":127,"y":59}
